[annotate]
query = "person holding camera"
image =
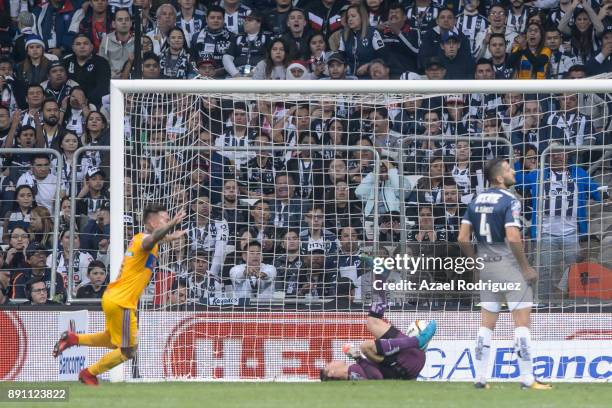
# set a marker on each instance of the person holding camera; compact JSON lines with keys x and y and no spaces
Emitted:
{"x":93,"y":194}
{"x":253,"y":278}
{"x":11,"y":91}
{"x":388,"y":191}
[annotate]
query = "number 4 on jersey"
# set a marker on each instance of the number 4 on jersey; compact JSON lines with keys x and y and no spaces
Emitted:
{"x":485,"y":229}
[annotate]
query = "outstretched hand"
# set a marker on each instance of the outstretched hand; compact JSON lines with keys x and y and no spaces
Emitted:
{"x":178,"y":218}
{"x":175,"y":235}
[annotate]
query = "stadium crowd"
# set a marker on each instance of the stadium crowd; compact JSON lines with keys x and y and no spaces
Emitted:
{"x":290,"y":222}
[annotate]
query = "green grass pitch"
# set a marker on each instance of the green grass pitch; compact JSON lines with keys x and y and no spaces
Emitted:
{"x":370,"y":394}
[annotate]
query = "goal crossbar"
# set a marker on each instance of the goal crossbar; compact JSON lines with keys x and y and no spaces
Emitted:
{"x":121,"y":88}
{"x":361,"y":87}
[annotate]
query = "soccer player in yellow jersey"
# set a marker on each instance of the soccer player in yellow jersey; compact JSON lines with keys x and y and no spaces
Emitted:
{"x":121,"y":297}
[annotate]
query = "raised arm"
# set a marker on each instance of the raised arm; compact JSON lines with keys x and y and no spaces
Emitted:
{"x":565,"y":20}
{"x":218,"y":258}
{"x":40,"y":137}
{"x":595,"y":19}
{"x":10,"y":138}
{"x":367,"y":184}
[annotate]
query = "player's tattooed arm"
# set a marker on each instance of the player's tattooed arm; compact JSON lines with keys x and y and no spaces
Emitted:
{"x":149,"y":241}
{"x":173,"y":236}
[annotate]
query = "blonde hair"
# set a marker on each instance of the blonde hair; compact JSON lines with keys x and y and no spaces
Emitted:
{"x":47,"y":222}
{"x":365,"y":21}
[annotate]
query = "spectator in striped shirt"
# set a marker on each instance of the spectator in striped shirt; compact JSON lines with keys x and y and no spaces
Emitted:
{"x":422,"y":15}
{"x":567,"y":191}
{"x":497,"y":26}
{"x":190,"y":19}
{"x":471,"y":23}
{"x":235,"y":13}
{"x":237,"y":134}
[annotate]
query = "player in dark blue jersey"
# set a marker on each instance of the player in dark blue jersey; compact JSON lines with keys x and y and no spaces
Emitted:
{"x":493,"y":217}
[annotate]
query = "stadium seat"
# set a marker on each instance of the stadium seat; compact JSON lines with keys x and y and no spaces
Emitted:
{"x":590,"y":280}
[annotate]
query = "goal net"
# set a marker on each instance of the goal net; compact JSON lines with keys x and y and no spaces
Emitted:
{"x":293,"y":191}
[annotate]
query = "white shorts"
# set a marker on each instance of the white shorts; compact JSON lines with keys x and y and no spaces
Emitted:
{"x":503,"y":271}
{"x":495,"y":307}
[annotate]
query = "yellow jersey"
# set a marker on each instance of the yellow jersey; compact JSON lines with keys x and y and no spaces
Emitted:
{"x":135,"y":274}
{"x":526,"y":70}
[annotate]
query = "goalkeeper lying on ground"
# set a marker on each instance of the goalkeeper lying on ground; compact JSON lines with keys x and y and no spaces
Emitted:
{"x":392,"y":356}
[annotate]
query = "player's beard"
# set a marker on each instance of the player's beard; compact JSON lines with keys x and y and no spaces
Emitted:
{"x":509,"y":181}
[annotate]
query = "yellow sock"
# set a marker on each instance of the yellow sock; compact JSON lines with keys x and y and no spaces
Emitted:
{"x":108,"y":361}
{"x":100,"y":339}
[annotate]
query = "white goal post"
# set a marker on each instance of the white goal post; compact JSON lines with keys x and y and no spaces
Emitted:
{"x":120,"y":88}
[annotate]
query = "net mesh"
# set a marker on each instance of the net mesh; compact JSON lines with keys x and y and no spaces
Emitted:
{"x":294,"y":346}
{"x":283,"y":210}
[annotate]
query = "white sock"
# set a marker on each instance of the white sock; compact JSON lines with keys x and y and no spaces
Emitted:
{"x":483,"y":347}
{"x":522,"y":346}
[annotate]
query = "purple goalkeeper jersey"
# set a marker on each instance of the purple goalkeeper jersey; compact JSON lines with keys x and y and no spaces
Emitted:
{"x":364,"y":369}
{"x":405,"y":365}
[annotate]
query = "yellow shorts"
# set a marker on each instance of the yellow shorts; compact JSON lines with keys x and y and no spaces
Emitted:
{"x":120,"y":324}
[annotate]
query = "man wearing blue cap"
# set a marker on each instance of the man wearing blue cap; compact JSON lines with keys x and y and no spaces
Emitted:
{"x":432,"y":38}
{"x":458,"y":65}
